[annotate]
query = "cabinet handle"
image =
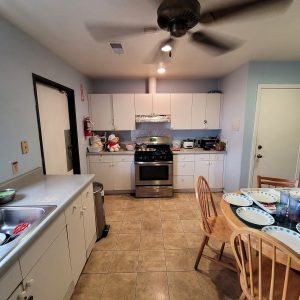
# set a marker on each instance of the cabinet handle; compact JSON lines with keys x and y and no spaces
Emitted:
{"x":22,"y":296}
{"x":84,"y":208}
{"x":29,"y":283}
{"x":87,"y":194}
{"x":82,"y":212}
{"x":74,"y":206}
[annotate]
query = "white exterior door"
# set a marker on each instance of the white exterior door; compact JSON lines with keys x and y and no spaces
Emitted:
{"x":100,"y":108}
{"x":277,"y":140}
{"x":55,"y":129}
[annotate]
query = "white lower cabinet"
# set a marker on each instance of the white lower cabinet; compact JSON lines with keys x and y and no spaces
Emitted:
{"x":75,"y":223}
{"x":115,"y":172}
{"x":188,"y":167}
{"x":51,"y":277}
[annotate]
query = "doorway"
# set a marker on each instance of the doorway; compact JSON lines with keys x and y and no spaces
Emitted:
{"x":276,"y":139}
{"x":56,"y":116}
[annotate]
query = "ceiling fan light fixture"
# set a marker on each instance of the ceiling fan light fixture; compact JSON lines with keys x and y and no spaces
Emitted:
{"x":166,"y":48}
{"x":161,"y":70}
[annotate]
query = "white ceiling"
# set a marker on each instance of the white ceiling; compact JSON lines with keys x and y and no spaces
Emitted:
{"x":61,"y":27}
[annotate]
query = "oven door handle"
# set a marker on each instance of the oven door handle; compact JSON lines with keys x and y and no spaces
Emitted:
{"x":154,"y":163}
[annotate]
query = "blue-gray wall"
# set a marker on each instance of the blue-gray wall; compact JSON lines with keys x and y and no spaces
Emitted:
{"x":107,"y":86}
{"x":263,"y":73}
{"x":20,"y":56}
{"x":234,"y":88}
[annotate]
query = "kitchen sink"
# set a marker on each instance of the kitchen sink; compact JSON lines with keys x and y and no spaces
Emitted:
{"x":11,"y":216}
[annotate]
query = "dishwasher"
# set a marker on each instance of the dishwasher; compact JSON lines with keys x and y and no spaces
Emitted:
{"x":101,"y":227}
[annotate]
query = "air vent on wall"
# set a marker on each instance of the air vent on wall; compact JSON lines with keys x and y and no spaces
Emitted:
{"x":117,"y":47}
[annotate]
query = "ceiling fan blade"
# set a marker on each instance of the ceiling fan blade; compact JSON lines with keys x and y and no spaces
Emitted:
{"x":238,"y":7}
{"x":158,"y":56}
{"x":216,"y":43}
{"x":105,"y":32}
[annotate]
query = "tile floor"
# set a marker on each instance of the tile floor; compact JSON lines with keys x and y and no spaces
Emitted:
{"x":150,"y":252}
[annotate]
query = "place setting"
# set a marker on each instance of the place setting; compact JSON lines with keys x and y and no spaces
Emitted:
{"x":284,"y":222}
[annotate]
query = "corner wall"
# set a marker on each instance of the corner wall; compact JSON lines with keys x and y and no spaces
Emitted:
{"x":234,"y":87}
{"x":20,"y":56}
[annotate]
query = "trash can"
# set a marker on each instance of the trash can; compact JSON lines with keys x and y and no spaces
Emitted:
{"x":101,"y":227}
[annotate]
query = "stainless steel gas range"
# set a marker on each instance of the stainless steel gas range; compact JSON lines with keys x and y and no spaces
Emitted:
{"x":153,"y":167}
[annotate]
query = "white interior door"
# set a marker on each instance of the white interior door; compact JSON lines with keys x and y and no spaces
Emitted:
{"x":278,"y":134}
{"x":55,"y":125}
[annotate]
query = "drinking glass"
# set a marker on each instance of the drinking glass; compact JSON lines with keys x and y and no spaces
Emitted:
{"x":285,"y":197}
{"x":294,"y":209}
{"x":281,"y":212}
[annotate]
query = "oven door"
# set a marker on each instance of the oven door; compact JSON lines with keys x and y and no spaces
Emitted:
{"x":154,"y":173}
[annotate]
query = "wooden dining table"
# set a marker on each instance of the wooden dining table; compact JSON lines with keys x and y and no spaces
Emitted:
{"x":235,"y":223}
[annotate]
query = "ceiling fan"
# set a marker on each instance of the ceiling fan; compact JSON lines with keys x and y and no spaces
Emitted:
{"x":178,"y":17}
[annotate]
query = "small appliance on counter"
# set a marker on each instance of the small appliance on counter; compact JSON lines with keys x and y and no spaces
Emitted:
{"x":208,"y":143}
{"x":176,"y":145}
{"x":188,"y":144}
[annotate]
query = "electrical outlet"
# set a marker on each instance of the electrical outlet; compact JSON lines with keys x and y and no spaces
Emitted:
{"x":24,"y":147}
{"x":15,"y":167}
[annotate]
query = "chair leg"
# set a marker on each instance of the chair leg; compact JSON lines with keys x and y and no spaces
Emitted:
{"x":243,"y":297}
{"x":204,"y":241}
{"x":221,"y":251}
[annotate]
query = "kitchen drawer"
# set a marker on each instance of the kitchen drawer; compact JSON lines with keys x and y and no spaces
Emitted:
{"x":183,"y":182}
{"x":201,"y":157}
{"x":39,"y":247}
{"x":216,"y":156}
{"x":123,"y":158}
{"x":101,"y":158}
{"x":184,"y":157}
{"x":73,"y":209}
{"x":184,"y":168}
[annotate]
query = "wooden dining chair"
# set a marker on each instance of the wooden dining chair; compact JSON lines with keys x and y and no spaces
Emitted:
{"x":275,"y":182}
{"x":213,"y":225}
{"x":261,"y":275}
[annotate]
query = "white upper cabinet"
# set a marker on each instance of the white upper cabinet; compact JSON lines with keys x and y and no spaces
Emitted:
{"x":124,"y":111}
{"x":213,"y":107}
{"x":161,"y":104}
{"x":143,"y":104}
{"x":206,"y":111}
{"x":101,"y":111}
{"x":181,"y":111}
{"x":198,"y":111}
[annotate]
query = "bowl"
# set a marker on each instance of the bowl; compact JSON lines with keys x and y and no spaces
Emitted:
{"x":130,"y":147}
{"x":7,"y":195}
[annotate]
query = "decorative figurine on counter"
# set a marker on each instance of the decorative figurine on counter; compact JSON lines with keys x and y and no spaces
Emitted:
{"x":113,"y":143}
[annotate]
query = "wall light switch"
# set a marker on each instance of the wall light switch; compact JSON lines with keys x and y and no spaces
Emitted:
{"x":24,"y":147}
{"x":15,"y":167}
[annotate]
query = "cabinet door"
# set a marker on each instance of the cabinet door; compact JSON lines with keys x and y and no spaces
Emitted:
{"x":198,"y":111}
{"x":183,"y":182}
{"x":181,"y":111}
{"x":89,"y":215}
{"x":216,"y":175}
{"x":183,"y":168}
{"x":213,"y":107}
{"x":123,"y":172}
{"x":100,"y":108}
{"x":143,"y":104}
{"x":51,"y":277}
{"x":124,"y":112}
{"x":201,"y":169}
{"x":161,"y":104}
{"x":74,"y":217}
{"x":103,"y":173}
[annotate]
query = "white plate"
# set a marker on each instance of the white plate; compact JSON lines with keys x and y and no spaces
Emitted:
{"x":298,"y":227}
{"x":295,"y":193}
{"x":237,"y":199}
{"x":286,"y":236}
{"x":255,"y":216}
{"x":263,"y":197}
{"x":2,"y":237}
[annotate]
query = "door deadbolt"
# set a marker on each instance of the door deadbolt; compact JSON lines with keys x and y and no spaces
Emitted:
{"x":259,"y":156}
{"x":259,"y":147}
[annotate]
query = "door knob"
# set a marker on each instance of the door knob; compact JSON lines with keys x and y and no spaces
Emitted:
{"x":259,"y":147}
{"x":259,"y":156}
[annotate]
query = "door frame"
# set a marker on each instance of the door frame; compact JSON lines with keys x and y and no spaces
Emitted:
{"x":72,"y":118}
{"x":260,"y":87}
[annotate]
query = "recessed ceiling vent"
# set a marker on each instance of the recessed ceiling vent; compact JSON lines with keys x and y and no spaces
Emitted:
{"x":117,"y":48}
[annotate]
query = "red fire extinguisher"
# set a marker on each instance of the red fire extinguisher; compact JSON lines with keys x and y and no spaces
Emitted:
{"x":87,"y":125}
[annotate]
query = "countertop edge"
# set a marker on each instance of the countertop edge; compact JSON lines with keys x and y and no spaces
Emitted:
{"x":22,"y":246}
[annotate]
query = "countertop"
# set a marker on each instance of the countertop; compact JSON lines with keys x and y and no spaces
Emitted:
{"x":182,"y":151}
{"x":57,"y":190}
